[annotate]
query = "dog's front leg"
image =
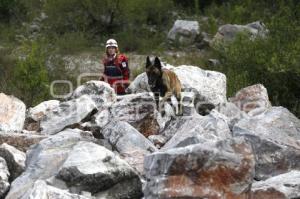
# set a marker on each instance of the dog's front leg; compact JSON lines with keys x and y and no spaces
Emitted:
{"x":166,"y":98}
{"x":156,"y":98}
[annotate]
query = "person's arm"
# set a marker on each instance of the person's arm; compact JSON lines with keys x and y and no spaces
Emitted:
{"x":103,"y":74}
{"x":125,"y":67}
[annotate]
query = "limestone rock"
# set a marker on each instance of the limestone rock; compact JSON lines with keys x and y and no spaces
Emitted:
{"x":283,"y":186}
{"x":275,"y":138}
{"x":93,"y":168}
{"x":12,"y":113}
{"x":44,"y":160}
{"x":15,"y":160}
{"x":130,"y":143}
{"x":66,"y":114}
{"x":209,"y":170}
{"x":4,"y":175}
{"x":252,"y":99}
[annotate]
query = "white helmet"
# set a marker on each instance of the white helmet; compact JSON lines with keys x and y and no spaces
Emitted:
{"x":111,"y":42}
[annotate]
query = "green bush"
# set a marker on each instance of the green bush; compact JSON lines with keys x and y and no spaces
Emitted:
{"x":30,"y":77}
{"x":12,"y":10}
{"x":6,"y":68}
{"x":273,"y":61}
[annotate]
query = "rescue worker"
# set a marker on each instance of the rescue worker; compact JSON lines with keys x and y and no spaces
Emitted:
{"x":116,"y":70}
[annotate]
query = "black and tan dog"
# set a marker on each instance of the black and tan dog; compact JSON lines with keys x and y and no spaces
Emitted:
{"x":164,"y":83}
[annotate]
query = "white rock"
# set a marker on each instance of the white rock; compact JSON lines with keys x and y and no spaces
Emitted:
{"x":286,"y":185}
{"x":208,"y":86}
{"x":100,"y":92}
{"x":93,"y":168}
{"x":4,"y":175}
{"x":67,"y":113}
{"x":41,"y":190}
{"x":15,"y":160}
{"x":252,"y":99}
{"x":275,"y":139}
{"x":12,"y":113}
{"x":44,"y":160}
{"x":130,"y":143}
{"x":184,"y":31}
{"x":186,"y":131}
{"x":139,"y":84}
{"x":228,"y":32}
{"x":38,"y":112}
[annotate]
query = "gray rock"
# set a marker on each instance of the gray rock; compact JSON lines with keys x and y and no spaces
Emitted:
{"x":4,"y":175}
{"x":15,"y":160}
{"x":232,"y":113}
{"x":209,"y":87}
{"x":130,"y":143}
{"x":93,"y":168}
{"x":275,"y":138}
{"x":44,"y":160}
{"x":41,"y":190}
{"x":38,"y":112}
{"x":125,"y":189}
{"x":210,"y":170}
{"x":136,"y":109}
{"x":213,"y":62}
{"x":19,"y":140}
{"x":12,"y":113}
{"x":283,"y":186}
{"x":252,"y":99}
{"x":158,"y":140}
{"x":198,"y":129}
{"x":139,"y":84}
{"x":228,"y":32}
{"x":66,"y":114}
{"x":184,"y":32}
{"x":100,"y":92}
{"x":35,"y":115}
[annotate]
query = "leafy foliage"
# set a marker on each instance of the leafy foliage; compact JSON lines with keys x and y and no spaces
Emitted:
{"x":30,"y":77}
{"x":273,"y":61}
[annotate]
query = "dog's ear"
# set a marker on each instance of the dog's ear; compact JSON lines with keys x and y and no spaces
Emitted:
{"x":148,"y":62}
{"x":157,"y":63}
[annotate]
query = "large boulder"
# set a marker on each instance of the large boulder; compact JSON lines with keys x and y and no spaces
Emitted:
{"x":184,"y":32}
{"x":12,"y":113}
{"x":15,"y":160}
{"x":283,"y":186}
{"x":209,"y":87}
{"x":252,"y":99}
{"x":130,"y":143}
{"x":35,"y":114}
{"x":228,"y":32}
{"x":45,"y":158}
{"x":4,"y":175}
{"x":39,"y":111}
{"x":41,"y":190}
{"x":66,"y":114}
{"x":139,"y":110}
{"x":93,"y":168}
{"x":232,"y":112}
{"x":209,"y":170}
{"x":275,"y":138}
{"x":100,"y":92}
{"x":139,"y":84}
{"x":186,"y":131}
{"x":20,"y":141}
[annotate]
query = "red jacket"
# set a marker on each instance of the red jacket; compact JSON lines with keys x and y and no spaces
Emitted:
{"x":116,"y":73}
